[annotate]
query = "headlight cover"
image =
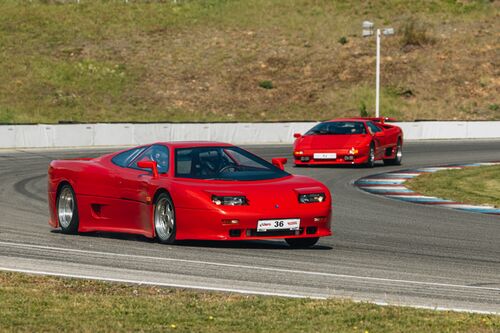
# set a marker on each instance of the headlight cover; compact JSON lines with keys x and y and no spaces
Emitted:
{"x":312,"y":197}
{"x":236,"y":200}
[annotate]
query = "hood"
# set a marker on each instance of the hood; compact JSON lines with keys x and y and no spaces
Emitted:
{"x":331,"y":141}
{"x":276,"y":195}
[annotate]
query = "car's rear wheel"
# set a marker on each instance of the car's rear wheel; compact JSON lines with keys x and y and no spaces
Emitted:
{"x":370,"y":163}
{"x":164,"y":219}
{"x":398,"y":156}
{"x":301,"y":243}
{"x":67,"y":210}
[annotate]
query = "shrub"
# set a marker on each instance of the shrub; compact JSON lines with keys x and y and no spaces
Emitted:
{"x":343,"y":40}
{"x":494,"y":107}
{"x":266,"y":84}
{"x":362,"y":110}
{"x":415,"y":34}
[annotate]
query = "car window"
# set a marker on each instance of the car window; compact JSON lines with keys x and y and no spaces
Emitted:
{"x":373,"y":128}
{"x":241,"y":159}
{"x":125,"y":158}
{"x":223,"y":163}
{"x":338,"y":127}
{"x":157,"y":153}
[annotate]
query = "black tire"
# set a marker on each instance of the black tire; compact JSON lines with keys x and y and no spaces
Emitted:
{"x":67,"y":210}
{"x":399,"y":155}
{"x":302,"y":243}
{"x":370,"y":163}
{"x":164,"y":219}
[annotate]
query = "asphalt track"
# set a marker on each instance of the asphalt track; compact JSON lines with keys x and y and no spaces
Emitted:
{"x":383,"y":251}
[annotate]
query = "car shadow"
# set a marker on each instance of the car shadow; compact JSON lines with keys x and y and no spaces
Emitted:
{"x":243,"y":244}
{"x":108,"y":235}
{"x":248,"y":244}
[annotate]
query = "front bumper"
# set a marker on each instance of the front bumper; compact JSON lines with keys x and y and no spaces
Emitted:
{"x":209,"y":225}
{"x":343,"y":156}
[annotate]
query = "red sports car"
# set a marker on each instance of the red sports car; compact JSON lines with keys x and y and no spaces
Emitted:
{"x":350,"y":141}
{"x":188,"y":190}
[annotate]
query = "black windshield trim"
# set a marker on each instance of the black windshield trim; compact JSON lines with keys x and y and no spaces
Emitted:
{"x":319,"y":129}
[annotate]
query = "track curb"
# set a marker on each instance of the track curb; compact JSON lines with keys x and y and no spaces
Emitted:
{"x":391,"y":185}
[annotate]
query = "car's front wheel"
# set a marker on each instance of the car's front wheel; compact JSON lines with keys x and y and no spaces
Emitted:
{"x":301,"y":243}
{"x":398,"y":157}
{"x":67,"y":210}
{"x":164,"y":219}
{"x":370,"y":163}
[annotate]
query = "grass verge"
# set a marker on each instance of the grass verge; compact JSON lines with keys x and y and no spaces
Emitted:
{"x":245,"y":60}
{"x":44,"y":304}
{"x":475,"y":185}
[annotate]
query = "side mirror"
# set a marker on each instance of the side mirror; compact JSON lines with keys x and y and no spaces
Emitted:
{"x":279,"y":162}
{"x":379,"y":134}
{"x":149,"y":165}
{"x":297,"y":135}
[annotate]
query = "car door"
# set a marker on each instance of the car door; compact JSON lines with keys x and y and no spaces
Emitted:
{"x":115,"y":212}
{"x":134,"y":188}
{"x":98,"y":196}
{"x":379,"y":138}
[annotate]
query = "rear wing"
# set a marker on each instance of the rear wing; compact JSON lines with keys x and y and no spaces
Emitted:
{"x":381,"y":120}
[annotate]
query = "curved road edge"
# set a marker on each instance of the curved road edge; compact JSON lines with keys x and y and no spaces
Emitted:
{"x":391,"y":185}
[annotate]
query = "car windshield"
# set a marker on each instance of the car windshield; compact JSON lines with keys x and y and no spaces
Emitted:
{"x":338,"y":127}
{"x":223,"y":163}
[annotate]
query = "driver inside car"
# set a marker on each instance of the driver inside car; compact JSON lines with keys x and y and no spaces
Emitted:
{"x":160,"y":156}
{"x":212,"y":163}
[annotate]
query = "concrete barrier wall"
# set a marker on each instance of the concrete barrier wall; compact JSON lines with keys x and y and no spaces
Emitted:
{"x":88,"y":135}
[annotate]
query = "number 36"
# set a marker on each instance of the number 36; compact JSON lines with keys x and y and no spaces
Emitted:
{"x":279,"y":224}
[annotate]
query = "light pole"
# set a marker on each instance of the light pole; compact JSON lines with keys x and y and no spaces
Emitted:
{"x":367,"y":32}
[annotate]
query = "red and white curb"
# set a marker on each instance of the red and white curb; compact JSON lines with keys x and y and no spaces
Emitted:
{"x":391,"y":185}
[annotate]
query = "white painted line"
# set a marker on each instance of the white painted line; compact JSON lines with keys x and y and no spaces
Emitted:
{"x":399,"y":180}
{"x":163,"y":284}
{"x":420,"y":199}
{"x":384,"y":187}
{"x":435,"y":169}
{"x":412,"y":196}
{"x":464,"y":206}
{"x":403,"y":175}
{"x":261,"y":268}
{"x":386,"y":191}
{"x":435,"y":308}
{"x":235,"y":290}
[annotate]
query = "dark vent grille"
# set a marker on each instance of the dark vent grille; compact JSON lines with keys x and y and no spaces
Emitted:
{"x":311,"y":230}
{"x":235,"y":233}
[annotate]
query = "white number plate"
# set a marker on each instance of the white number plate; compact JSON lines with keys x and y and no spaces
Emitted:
{"x":325,"y":156}
{"x":279,"y":224}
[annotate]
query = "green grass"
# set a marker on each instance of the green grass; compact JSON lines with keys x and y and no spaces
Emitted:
{"x":49,"y":304}
{"x":204,"y":60}
{"x":475,"y":185}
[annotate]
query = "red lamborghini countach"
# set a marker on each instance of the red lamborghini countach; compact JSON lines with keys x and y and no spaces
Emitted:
{"x":188,"y":190}
{"x":349,"y":141}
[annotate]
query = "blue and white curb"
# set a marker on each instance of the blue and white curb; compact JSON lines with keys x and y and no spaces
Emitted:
{"x":391,"y":185}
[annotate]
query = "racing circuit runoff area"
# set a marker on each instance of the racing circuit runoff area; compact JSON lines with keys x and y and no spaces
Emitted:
{"x":382,"y":250}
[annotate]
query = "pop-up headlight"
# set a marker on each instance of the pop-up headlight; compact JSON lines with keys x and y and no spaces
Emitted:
{"x":312,"y":197}
{"x":237,"y":200}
